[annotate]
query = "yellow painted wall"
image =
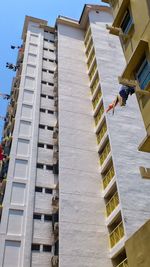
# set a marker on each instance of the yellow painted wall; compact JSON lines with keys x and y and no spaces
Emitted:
{"x":138,"y":247}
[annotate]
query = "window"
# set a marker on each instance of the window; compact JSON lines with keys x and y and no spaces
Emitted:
{"x":49,"y":167}
{"x":46,"y":40}
{"x":43,"y":82}
{"x":51,"y":84}
{"x":45,"y":59}
{"x":50,"y":128}
{"x":40,"y":145}
{"x":38,"y":189}
{"x":50,"y":50}
{"x":50,"y":97}
{"x":41,"y":126}
{"x":37,"y":216}
{"x":42,"y":95}
{"x":127,"y":22}
{"x":44,"y":70}
{"x":49,"y":146}
{"x":42,"y":110}
{"x":48,"y":190}
{"x":40,"y":166}
{"x":51,"y":41}
{"x":143,"y":73}
{"x":46,"y":49}
{"x":48,"y":217}
{"x":47,"y":248}
{"x":50,"y":112}
{"x":35,"y":247}
{"x":51,"y":60}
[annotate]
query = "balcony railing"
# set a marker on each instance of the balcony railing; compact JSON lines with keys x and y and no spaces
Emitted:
{"x":101,"y":133}
{"x":87,"y":36}
{"x":105,"y":153}
{"x":116,"y":235}
{"x":94,"y":86}
{"x":99,"y":115}
{"x":97,"y":98}
{"x":93,"y":71}
{"x":112,"y":204}
{"x":89,"y":48}
{"x":123,"y":263}
{"x":108,"y":177}
{"x":91,"y":58}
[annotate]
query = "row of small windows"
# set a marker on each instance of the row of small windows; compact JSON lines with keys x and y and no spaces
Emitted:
{"x":45,"y":127}
{"x":43,"y":190}
{"x":50,"y":50}
{"x":49,"y":32}
{"x":45,"y":146}
{"x":49,"y":41}
{"x":44,"y":217}
{"x":46,"y":83}
{"x":48,"y":71}
{"x":44,"y":248}
{"x":43,"y":110}
{"x":47,"y":96}
{"x":44,"y":166}
{"x":49,"y":60}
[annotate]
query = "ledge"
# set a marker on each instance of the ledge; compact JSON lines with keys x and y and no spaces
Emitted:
{"x":145,"y":145}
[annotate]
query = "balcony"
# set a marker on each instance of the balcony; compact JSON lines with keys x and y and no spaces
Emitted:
{"x":101,"y":133}
{"x":99,"y":115}
{"x":108,"y":177}
{"x":95,"y":84}
{"x":105,"y":153}
{"x":116,"y":235}
{"x":91,"y":74}
{"x":90,"y":59}
{"x":112,"y":204}
{"x":87,"y":36}
{"x":90,"y":44}
{"x":97,"y":98}
{"x":123,"y":263}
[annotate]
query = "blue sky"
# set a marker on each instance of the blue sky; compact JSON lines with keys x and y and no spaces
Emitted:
{"x":12,"y":14}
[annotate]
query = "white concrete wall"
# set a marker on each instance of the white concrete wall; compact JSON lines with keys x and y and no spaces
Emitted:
{"x":82,"y":231}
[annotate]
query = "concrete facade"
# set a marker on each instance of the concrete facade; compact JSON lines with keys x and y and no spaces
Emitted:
{"x":69,"y":76}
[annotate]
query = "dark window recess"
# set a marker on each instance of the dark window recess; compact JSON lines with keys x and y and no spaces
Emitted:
{"x":97,"y":12}
{"x":49,"y":146}
{"x":38,"y":189}
{"x":35,"y":247}
{"x":50,"y":97}
{"x":50,"y":112}
{"x":47,"y":248}
{"x":48,"y":190}
{"x":56,"y":249}
{"x":40,"y":166}
{"x":51,"y":84}
{"x":45,"y":39}
{"x":143,"y":73}
{"x":51,"y":71}
{"x":42,"y":95}
{"x":44,"y":70}
{"x":51,"y":60}
{"x":126,"y":22}
{"x":49,"y":167}
{"x":37,"y":216}
{"x":42,"y":110}
{"x":51,"y":41}
{"x":50,"y":50}
{"x":50,"y":128}
{"x":41,"y":126}
{"x":45,"y":59}
{"x":40,"y":145}
{"x":43,"y":82}
{"x":46,"y":49}
{"x":48,"y":217}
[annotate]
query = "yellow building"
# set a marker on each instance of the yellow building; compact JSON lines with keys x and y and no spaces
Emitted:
{"x":132,"y":25}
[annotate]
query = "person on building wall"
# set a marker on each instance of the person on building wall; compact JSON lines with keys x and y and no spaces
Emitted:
{"x":122,"y":98}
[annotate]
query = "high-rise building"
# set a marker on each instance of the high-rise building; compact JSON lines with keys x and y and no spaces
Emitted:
{"x":72,"y":192}
{"x":132,"y":25}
